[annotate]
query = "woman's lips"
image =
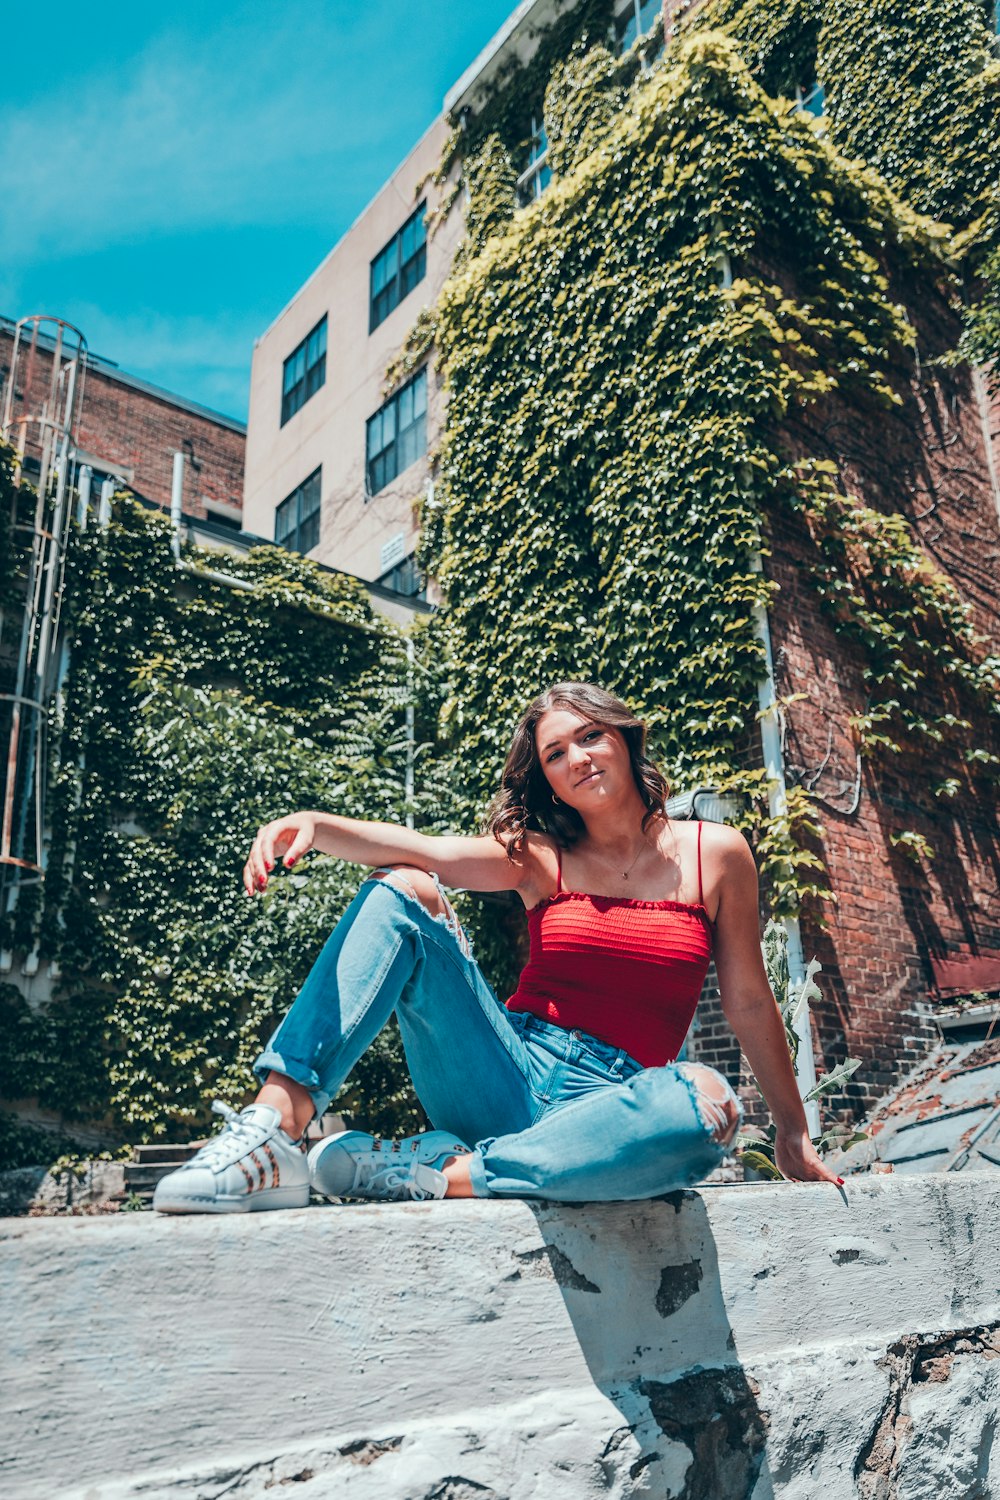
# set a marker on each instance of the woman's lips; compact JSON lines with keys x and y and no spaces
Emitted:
{"x":592,"y":777}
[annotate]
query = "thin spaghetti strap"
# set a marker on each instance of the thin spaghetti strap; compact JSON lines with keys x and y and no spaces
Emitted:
{"x":558,"y":869}
{"x":701,"y":893}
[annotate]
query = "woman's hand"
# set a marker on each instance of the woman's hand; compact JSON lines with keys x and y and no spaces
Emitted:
{"x":796,"y":1158}
{"x":288,"y":838}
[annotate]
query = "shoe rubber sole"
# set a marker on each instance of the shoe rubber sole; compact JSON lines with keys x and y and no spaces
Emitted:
{"x":249,"y":1203}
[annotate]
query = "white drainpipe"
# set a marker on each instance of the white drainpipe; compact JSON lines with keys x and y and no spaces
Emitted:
{"x":770,"y":736}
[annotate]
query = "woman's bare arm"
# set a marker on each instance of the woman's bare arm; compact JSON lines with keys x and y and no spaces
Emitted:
{"x":751,"y":1010}
{"x":476,"y":863}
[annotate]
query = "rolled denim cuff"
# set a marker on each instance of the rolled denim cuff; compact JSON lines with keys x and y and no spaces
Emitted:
{"x":477,"y":1171}
{"x":301,"y":1073}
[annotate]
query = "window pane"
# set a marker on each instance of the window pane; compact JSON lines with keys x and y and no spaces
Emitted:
{"x":407,"y":448}
{"x":625,"y":28}
{"x":309,"y":533}
{"x":284,"y":520}
{"x":413,"y":272}
{"x":648,"y":12}
{"x":419,"y":389}
{"x":539,"y":139}
{"x":383,"y":267}
{"x":311,"y":493}
{"x":405,"y":400}
{"x":316,"y":377}
{"x":409,"y":240}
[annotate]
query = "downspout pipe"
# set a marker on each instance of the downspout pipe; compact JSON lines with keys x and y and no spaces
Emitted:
{"x":777,"y":799}
{"x":777,"y":791}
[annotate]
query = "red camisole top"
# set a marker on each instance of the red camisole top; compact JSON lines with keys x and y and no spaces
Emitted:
{"x":627,"y":971}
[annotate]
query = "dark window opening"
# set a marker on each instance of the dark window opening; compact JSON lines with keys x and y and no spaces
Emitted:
{"x":296,"y":520}
{"x":633,"y":22}
{"x":398,"y":267}
{"x":397,"y":434}
{"x":304,"y":372}
{"x":406,"y":578}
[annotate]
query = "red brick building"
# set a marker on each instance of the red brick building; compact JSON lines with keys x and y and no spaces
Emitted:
{"x":129,"y":429}
{"x":909,"y":936}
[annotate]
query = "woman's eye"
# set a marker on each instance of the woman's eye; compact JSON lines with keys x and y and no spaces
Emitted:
{"x":593,"y":734}
{"x":554,"y":756}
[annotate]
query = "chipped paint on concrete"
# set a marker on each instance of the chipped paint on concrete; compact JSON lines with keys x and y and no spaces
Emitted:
{"x":737,"y":1343}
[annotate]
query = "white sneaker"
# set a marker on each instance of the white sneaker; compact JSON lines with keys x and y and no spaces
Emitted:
{"x":250,"y":1165}
{"x":355,"y":1165}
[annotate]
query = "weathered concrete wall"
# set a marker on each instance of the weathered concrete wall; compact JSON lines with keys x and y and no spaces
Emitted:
{"x":759,"y":1341}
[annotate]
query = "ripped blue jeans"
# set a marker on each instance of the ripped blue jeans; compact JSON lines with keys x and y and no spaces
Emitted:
{"x":550,"y":1113}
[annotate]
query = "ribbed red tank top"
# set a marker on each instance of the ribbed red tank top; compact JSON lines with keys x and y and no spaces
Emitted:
{"x":627,"y":971}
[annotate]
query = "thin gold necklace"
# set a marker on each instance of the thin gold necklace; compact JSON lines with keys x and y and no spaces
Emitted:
{"x":643,"y":845}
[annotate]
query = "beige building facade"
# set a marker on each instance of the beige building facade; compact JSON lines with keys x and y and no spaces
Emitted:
{"x":367,"y":512}
{"x":337,"y":465}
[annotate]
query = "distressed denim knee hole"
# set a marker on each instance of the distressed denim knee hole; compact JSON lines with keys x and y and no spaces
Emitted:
{"x":717,"y":1106}
{"x":397,"y":877}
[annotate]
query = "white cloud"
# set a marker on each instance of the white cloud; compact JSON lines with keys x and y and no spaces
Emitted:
{"x":241,"y":127}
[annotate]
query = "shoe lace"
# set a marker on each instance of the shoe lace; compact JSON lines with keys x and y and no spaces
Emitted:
{"x":232,"y":1140}
{"x":395,"y":1182}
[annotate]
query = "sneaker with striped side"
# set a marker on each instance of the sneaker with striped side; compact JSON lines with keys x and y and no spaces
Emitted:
{"x":355,"y":1165}
{"x":250,"y":1166}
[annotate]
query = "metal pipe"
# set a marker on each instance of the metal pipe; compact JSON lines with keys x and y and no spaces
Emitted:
{"x":176,"y":505}
{"x":410,"y":732}
{"x":104,"y":509}
{"x":777,"y":799}
{"x":83,"y":496}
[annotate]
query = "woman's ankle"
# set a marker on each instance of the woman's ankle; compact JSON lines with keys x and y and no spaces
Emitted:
{"x":293,"y":1102}
{"x":459,"y":1178}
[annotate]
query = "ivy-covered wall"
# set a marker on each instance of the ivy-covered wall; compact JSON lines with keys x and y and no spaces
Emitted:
{"x":192,"y":712}
{"x":649,"y":375}
{"x":719,"y":333}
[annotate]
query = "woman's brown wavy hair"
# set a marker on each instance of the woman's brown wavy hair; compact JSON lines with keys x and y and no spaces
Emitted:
{"x":524,"y":800}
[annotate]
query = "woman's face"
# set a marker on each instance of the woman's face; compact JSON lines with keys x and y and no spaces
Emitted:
{"x":586,"y":763}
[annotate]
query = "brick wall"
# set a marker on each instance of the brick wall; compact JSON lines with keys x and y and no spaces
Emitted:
{"x":129,"y":427}
{"x":928,"y":459}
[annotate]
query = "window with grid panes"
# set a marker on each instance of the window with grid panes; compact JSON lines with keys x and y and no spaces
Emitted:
{"x":296,"y":520}
{"x":398,"y":267}
{"x":397,"y":434}
{"x":405,"y":578}
{"x":538,"y":174}
{"x":811,"y":98}
{"x":304,"y":371}
{"x":634,"y":21}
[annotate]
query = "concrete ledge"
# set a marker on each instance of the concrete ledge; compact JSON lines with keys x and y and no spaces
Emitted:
{"x":736,"y":1342}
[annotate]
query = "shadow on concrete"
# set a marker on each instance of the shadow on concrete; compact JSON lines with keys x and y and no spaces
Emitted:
{"x":640,"y":1282}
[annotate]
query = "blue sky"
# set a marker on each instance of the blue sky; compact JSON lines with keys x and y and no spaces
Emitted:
{"x":170,"y":175}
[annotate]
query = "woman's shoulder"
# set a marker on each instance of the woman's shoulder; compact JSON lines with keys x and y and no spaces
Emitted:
{"x":722,"y":838}
{"x":542,"y":859}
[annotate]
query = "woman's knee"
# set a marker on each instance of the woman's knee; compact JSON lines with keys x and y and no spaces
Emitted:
{"x":717,"y":1104}
{"x":416,"y":883}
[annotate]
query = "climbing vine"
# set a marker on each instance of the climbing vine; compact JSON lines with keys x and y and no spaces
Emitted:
{"x":625,"y":362}
{"x":631,"y":365}
{"x":193,"y":712}
{"x":912,"y":88}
